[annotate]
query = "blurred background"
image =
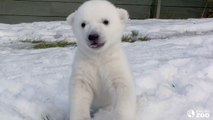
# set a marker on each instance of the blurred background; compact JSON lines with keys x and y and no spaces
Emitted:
{"x":17,"y":11}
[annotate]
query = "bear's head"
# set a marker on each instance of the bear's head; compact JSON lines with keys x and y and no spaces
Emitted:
{"x":98,"y":24}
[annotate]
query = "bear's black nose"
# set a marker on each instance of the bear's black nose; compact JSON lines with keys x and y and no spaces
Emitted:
{"x":93,"y":37}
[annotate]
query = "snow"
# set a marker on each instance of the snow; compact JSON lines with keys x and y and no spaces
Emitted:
{"x":173,"y":71}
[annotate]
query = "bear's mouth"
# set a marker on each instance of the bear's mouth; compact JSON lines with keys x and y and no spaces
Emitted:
{"x":96,"y":45}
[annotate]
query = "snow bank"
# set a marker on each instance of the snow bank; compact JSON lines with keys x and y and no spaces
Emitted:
{"x":173,"y":71}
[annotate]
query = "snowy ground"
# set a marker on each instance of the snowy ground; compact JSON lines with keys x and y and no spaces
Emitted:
{"x":173,"y":71}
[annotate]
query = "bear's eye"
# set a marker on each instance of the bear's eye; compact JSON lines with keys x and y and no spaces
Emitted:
{"x":105,"y":22}
{"x":83,"y":24}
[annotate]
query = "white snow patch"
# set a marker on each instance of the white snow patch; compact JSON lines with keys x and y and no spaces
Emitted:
{"x":173,"y":71}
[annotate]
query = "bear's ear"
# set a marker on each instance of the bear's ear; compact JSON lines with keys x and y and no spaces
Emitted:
{"x":123,"y":14}
{"x":70,"y":18}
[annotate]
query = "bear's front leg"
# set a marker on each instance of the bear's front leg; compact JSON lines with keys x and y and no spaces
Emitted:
{"x":125,"y":104}
{"x":81,"y":98}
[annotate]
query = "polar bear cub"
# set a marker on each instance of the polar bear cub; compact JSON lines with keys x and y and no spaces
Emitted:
{"x":101,"y":77}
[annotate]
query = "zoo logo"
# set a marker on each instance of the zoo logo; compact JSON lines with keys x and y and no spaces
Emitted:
{"x":198,"y":113}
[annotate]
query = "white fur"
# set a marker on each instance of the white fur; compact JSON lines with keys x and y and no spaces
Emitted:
{"x":101,"y":78}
